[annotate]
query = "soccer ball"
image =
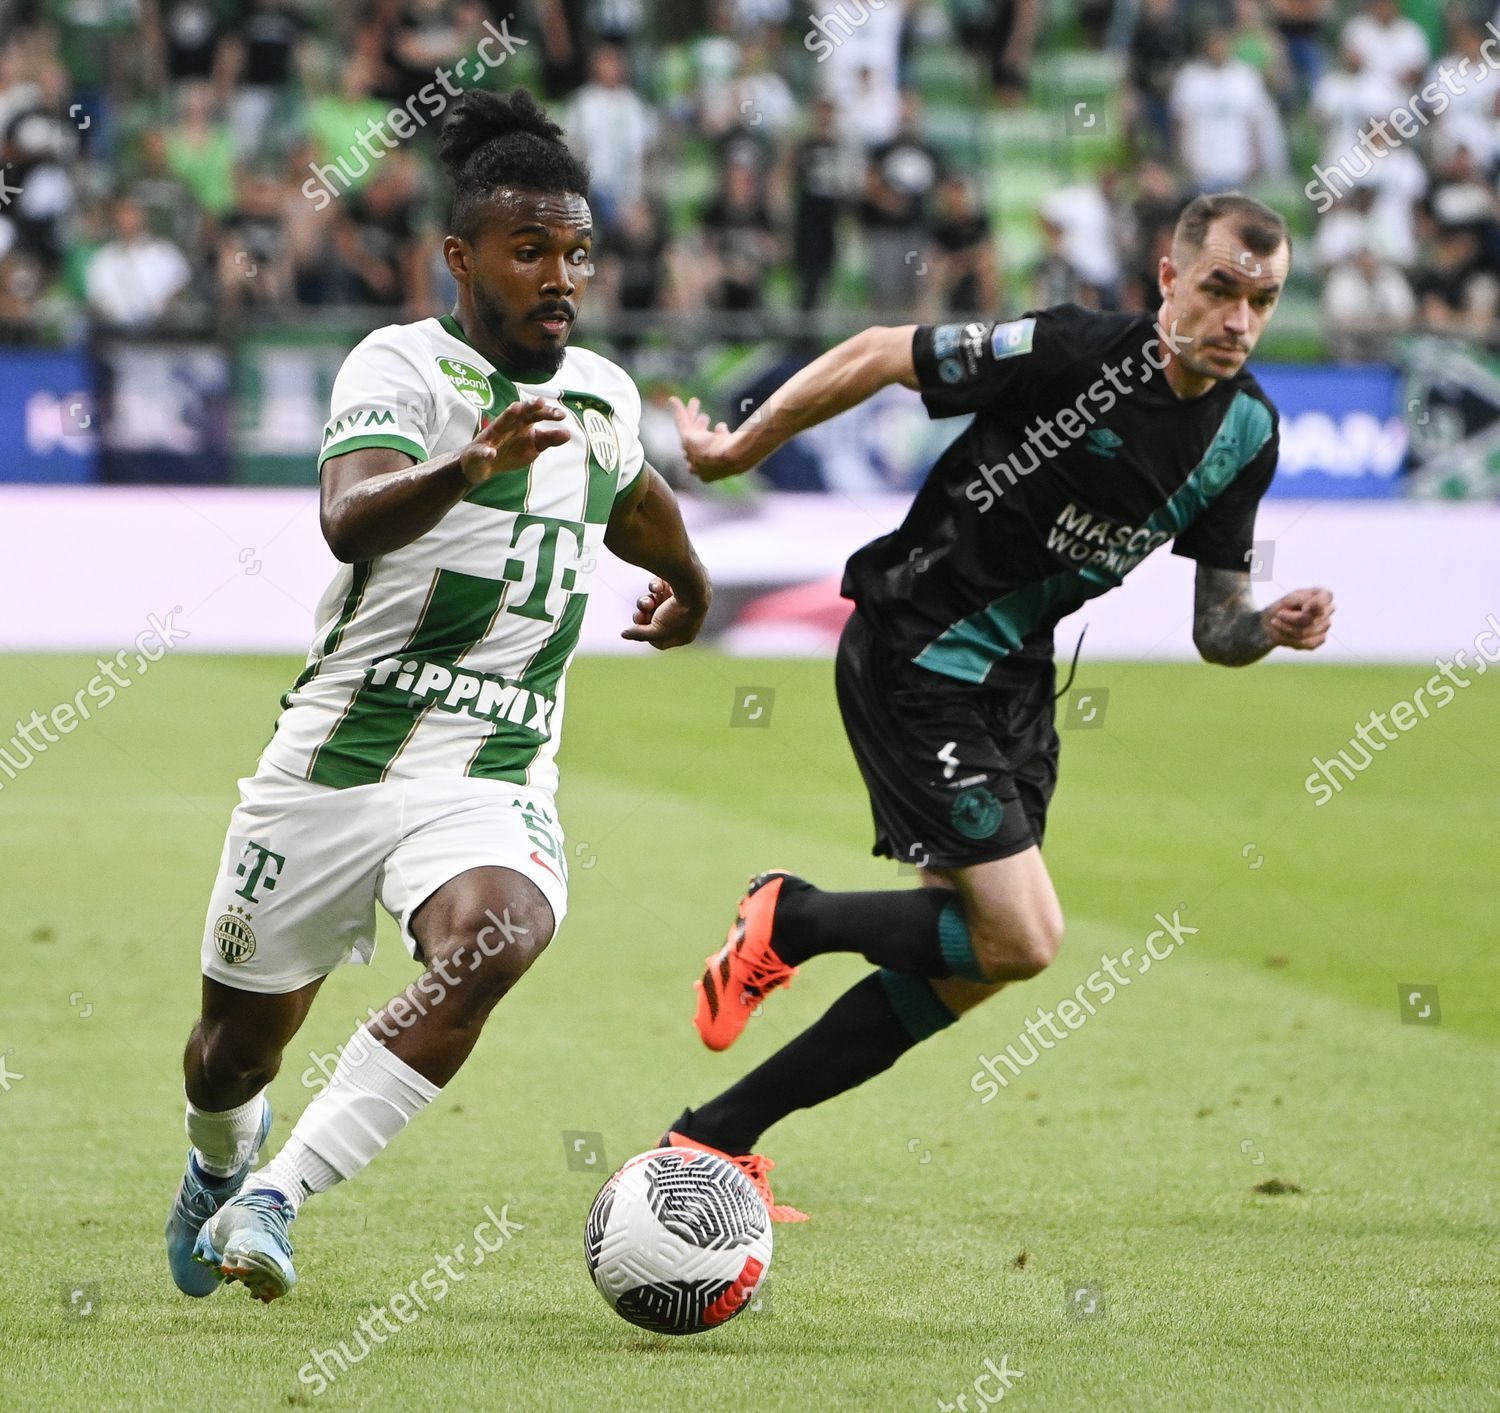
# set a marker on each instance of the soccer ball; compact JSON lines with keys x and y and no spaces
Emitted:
{"x":678,"y":1241}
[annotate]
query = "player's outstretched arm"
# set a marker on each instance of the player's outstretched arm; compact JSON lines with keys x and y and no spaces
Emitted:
{"x":378,"y":499}
{"x":646,"y":529}
{"x":1229,"y":630}
{"x":832,"y":383}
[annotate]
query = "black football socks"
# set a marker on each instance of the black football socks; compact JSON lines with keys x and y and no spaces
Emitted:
{"x":918,"y":930}
{"x":863,"y":1033}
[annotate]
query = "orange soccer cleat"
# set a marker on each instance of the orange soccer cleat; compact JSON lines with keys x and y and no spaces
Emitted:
{"x":755,"y":1166}
{"x":745,"y":970}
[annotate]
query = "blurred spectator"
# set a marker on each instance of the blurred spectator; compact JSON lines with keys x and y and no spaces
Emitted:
{"x":612,"y":129}
{"x":869,"y":111}
{"x":1366,"y":302}
{"x":819,"y":186}
{"x":1469,"y":116}
{"x":132,"y":281}
{"x":633,"y":266}
{"x":1399,"y":182}
{"x":1347,"y":98}
{"x":564,"y":45}
{"x":394,"y":237}
{"x":263,"y":63}
{"x":38,"y":146}
{"x":1303,"y":26}
{"x":1086,"y":238}
{"x":966,"y":267}
{"x":715,"y":58}
{"x":1455,"y":294}
{"x":171,"y":209}
{"x":1054,"y":278}
{"x":1257,"y":43}
{"x":334,"y":119}
{"x":860,"y":71}
{"x":1157,"y":46}
{"x":23,"y":284}
{"x":660,"y":438}
{"x":1002,"y":33}
{"x":1228,"y":132}
{"x":187,"y":43}
{"x":759,"y":99}
{"x":407,"y":40}
{"x":899,"y":178}
{"x":740,"y":241}
{"x":1146,"y":227}
{"x":254,"y":265}
{"x":616,"y":21}
{"x":200,"y":150}
{"x":1461,"y":194}
{"x":1354,"y":225}
{"x":1390,"y":43}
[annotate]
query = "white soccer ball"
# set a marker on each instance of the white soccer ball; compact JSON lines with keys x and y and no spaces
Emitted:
{"x":678,"y":1241}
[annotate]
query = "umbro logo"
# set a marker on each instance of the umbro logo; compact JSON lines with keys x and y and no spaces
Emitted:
{"x":1102,"y":442}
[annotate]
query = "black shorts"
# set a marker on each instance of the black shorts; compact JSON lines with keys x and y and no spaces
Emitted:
{"x":958,"y":774}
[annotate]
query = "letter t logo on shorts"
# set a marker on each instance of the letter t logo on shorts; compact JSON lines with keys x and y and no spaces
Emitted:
{"x":257,"y":866}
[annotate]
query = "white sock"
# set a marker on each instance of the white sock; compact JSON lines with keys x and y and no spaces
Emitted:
{"x":372,"y":1096}
{"x":223,"y":1142}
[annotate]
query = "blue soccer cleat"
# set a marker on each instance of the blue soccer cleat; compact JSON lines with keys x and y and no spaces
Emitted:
{"x":199,"y":1196}
{"x":246,"y":1240}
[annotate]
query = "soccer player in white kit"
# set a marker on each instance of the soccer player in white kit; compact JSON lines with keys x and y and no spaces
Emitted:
{"x":472,"y":469}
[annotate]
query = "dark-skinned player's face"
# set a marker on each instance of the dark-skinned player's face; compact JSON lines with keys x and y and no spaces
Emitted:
{"x":527,"y":270}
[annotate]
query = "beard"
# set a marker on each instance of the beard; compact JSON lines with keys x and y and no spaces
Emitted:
{"x":501,"y":329}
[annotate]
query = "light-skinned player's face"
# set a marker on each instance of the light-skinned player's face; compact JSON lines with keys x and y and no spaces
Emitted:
{"x":526,"y":273}
{"x":1216,"y":305}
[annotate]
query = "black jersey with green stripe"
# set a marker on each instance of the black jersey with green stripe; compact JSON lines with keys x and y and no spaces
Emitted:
{"x":1079,"y":461}
{"x":447,"y":656}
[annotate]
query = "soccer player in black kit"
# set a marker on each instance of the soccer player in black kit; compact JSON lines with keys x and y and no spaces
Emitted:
{"x":1095,"y":439}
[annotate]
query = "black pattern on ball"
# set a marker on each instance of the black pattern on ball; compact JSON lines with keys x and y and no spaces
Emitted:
{"x":708,"y":1205}
{"x":672,"y":1308}
{"x":593,"y":1229}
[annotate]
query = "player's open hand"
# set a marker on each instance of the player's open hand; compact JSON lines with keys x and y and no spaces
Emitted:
{"x":710,"y":451}
{"x":513,"y":440}
{"x":664,"y":620}
{"x":1300,"y":619}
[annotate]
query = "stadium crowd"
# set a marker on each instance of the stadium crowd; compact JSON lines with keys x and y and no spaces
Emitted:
{"x":157,"y":155}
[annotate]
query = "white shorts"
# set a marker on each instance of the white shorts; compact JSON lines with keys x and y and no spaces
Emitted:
{"x":303,"y":865}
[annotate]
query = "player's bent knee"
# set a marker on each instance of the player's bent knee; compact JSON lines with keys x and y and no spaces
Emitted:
{"x":235,"y":1058}
{"x":1019,"y":953}
{"x":490,"y":944}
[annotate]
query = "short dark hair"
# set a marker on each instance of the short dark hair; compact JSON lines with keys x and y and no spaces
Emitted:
{"x":492,"y":140}
{"x":1262,"y":230}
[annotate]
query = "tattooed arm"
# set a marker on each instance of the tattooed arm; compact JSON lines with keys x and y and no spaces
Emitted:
{"x":1228,"y":628}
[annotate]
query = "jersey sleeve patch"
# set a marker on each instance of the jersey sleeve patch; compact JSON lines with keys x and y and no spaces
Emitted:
{"x":381,"y":397}
{"x":1013,"y":338}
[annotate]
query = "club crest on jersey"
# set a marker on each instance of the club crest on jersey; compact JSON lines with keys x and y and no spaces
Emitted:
{"x":602,"y":440}
{"x":234,"y":937}
{"x":472,"y":385}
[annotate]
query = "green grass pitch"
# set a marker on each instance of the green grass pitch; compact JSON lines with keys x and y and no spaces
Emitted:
{"x":1269,"y":1049}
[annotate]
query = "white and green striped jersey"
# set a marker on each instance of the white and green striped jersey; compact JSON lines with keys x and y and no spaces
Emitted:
{"x":446,"y":657}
